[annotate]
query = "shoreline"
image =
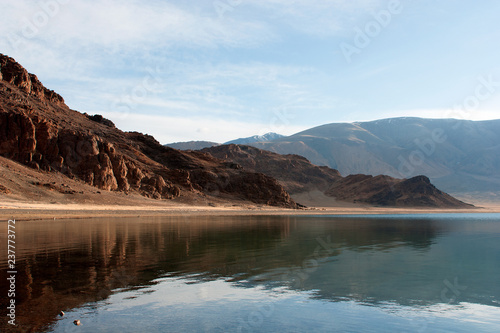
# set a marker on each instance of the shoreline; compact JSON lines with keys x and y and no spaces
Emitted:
{"x":25,"y":211}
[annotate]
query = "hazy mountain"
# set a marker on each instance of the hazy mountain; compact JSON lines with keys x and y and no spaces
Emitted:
{"x":256,"y":138}
{"x":459,"y":156}
{"x":192,"y":145}
{"x":198,"y":145}
{"x":298,"y":175}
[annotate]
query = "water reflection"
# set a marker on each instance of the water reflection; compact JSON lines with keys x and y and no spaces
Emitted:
{"x":65,"y":264}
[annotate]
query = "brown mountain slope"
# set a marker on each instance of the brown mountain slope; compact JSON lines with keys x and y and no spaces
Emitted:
{"x":298,"y":175}
{"x":387,"y":191}
{"x":37,"y":129}
{"x":294,"y":172}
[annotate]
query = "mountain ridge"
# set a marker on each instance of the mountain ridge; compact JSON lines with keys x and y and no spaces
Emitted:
{"x":255,"y":138}
{"x":198,"y":145}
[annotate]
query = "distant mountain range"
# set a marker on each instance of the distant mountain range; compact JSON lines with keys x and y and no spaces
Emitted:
{"x":256,"y":138}
{"x":461,"y":157}
{"x":196,"y":145}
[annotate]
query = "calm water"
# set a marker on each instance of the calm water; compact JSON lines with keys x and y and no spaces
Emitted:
{"x":415,"y":273}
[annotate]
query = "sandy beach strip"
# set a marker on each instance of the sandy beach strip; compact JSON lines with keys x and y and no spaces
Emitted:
{"x":28,"y":211}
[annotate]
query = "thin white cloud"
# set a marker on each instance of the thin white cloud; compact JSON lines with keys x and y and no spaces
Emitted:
{"x":235,"y":90}
{"x":113,"y":33}
{"x":321,"y":18}
{"x":120,"y":25}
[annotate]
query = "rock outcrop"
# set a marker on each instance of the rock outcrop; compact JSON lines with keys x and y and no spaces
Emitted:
{"x":15,"y":74}
{"x":388,"y":191}
{"x":298,"y":175}
{"x":38,"y":129}
{"x":294,"y":172}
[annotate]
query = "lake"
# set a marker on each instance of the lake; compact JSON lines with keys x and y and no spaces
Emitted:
{"x":386,"y":273}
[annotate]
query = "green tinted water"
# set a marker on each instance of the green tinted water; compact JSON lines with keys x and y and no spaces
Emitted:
{"x":415,"y":273}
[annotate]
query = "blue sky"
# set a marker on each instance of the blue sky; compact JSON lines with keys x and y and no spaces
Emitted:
{"x":219,"y":70}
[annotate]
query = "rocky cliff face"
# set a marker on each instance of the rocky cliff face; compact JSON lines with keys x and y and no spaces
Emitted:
{"x":13,"y":73}
{"x":38,"y":129}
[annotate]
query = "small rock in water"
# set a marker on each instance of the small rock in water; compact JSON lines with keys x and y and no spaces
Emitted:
{"x":77,"y":322}
{"x":61,"y":313}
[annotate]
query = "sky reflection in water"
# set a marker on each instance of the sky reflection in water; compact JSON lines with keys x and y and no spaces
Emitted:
{"x":262,"y":274}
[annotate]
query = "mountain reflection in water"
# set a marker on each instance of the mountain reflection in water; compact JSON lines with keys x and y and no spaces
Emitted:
{"x":65,"y":264}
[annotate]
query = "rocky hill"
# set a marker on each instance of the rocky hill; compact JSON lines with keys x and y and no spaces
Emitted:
{"x":39,"y":130}
{"x":294,"y":172}
{"x":299,"y":175}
